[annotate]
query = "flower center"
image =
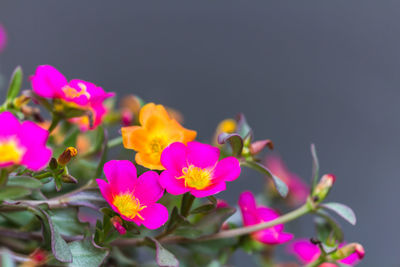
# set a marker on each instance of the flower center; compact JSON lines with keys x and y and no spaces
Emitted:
{"x":128,"y":205}
{"x":196,"y":177}
{"x":157,"y":145}
{"x":10,"y":151}
{"x":71,"y":92}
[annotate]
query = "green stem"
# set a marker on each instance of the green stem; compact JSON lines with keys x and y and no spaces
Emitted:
{"x":54,"y":123}
{"x":3,"y":177}
{"x":303,"y":210}
{"x":115,"y":142}
{"x":43,"y":175}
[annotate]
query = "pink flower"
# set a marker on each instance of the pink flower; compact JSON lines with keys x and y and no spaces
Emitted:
{"x":3,"y":38}
{"x":48,"y":82}
{"x":253,"y":214}
{"x":298,"y":189}
{"x":308,"y":252}
{"x":22,"y":143}
{"x":195,"y":168}
{"x":133,"y":198}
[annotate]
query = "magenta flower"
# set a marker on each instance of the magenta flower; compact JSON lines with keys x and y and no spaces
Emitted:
{"x":298,"y":189}
{"x":3,"y":38}
{"x":133,"y":198}
{"x":22,"y":143}
{"x":253,"y":214}
{"x":307,"y":252}
{"x":195,"y":168}
{"x":48,"y":82}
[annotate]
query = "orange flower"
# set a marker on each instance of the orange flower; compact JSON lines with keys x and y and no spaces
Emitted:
{"x":157,"y":131}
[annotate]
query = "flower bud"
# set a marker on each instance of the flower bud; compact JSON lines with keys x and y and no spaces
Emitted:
{"x":117,"y":223}
{"x":67,"y":155}
{"x":69,"y":179}
{"x":323,"y":187}
{"x":37,"y":258}
{"x":126,"y":118}
{"x":347,"y":250}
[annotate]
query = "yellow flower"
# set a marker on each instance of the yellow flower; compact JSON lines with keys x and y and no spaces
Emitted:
{"x":157,"y":131}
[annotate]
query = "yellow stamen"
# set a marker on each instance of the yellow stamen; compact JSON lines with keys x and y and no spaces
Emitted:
{"x":74,"y":93}
{"x":128,"y":205}
{"x":196,"y":177}
{"x":10,"y":151}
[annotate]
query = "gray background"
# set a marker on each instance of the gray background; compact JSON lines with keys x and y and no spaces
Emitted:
{"x":302,"y":72}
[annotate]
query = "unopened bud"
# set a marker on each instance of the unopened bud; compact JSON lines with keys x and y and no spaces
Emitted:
{"x":117,"y":223}
{"x":126,"y":117}
{"x":348,"y":250}
{"x":53,"y":164}
{"x":323,"y":187}
{"x":69,"y":179}
{"x":67,"y":155}
{"x":258,"y":146}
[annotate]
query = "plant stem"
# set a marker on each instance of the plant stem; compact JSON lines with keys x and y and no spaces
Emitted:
{"x":3,"y":177}
{"x":54,"y":123}
{"x":115,"y":142}
{"x":303,"y":210}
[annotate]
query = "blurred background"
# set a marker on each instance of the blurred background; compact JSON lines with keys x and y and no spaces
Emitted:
{"x":301,"y":71}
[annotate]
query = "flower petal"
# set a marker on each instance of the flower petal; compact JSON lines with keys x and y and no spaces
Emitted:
{"x":227,"y":169}
{"x":148,"y":190}
{"x":154,"y":216}
{"x":211,"y":190}
{"x":105,"y":190}
{"x":48,"y":81}
{"x":202,"y":155}
{"x":304,"y":250}
{"x":7,"y":118}
{"x":171,"y":184}
{"x":121,"y":175}
{"x":173,"y":158}
{"x":151,"y":109}
{"x":247,"y":204}
{"x":33,"y":138}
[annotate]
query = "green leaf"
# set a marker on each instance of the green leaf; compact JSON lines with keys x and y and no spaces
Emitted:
{"x":235,"y":140}
{"x":212,"y":199}
{"x":243,"y":128}
{"x":212,"y":221}
{"x":342,"y":210}
{"x":164,"y":258}
{"x":67,"y":223}
{"x":315,"y":167}
{"x":59,"y":247}
{"x":13,"y":192}
{"x":15,"y":84}
{"x":89,"y":198}
{"x":85,"y":254}
{"x":328,"y":229}
{"x":24,"y":181}
{"x":203,"y":209}
{"x":280,"y":186}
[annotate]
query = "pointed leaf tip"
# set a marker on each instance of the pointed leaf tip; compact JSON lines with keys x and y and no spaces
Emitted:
{"x":343,"y":211}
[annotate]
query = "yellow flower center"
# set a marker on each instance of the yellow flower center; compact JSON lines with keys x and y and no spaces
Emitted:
{"x":157,"y":145}
{"x":128,"y":205}
{"x":196,"y":177}
{"x":74,"y":93}
{"x":10,"y":151}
